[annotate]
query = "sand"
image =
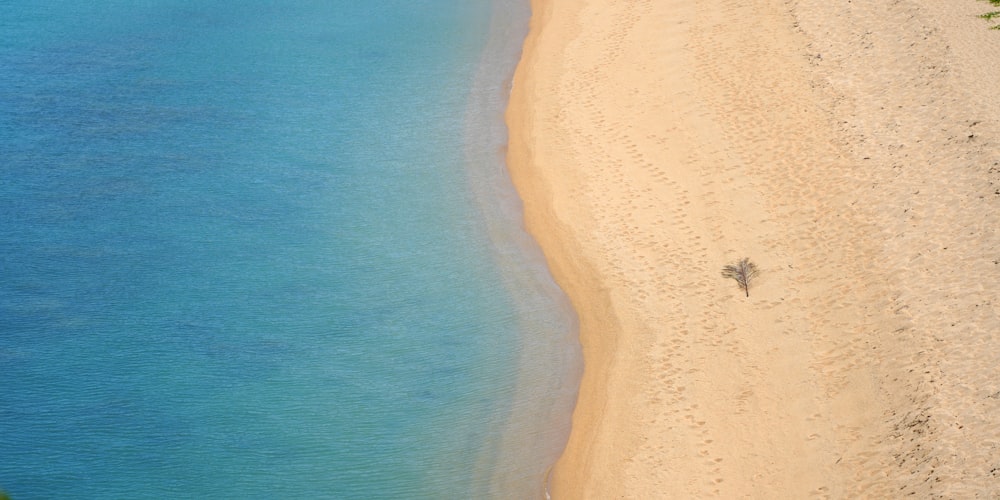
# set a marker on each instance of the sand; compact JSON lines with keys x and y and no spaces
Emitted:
{"x":852,"y":150}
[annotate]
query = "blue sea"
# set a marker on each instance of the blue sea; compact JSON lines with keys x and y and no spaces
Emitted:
{"x":267,"y":249}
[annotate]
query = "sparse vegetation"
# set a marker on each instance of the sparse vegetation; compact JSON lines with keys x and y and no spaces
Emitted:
{"x":989,"y":16}
{"x":743,"y":272}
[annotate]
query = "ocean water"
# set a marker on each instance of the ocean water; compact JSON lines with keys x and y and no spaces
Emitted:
{"x":268,"y":249}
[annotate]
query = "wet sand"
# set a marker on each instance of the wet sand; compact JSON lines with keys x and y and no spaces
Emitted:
{"x":851,"y":151}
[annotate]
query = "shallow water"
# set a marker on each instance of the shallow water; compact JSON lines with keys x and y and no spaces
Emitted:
{"x":269,"y":249}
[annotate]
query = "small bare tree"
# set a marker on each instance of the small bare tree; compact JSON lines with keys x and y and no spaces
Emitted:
{"x":743,"y":271}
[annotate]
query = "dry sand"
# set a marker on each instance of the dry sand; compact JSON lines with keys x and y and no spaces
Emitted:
{"x":852,"y":150}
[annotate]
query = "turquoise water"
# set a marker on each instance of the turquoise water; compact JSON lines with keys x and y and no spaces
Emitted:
{"x":269,"y":249}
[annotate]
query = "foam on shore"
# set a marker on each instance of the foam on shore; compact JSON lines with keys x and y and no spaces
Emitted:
{"x":851,"y":151}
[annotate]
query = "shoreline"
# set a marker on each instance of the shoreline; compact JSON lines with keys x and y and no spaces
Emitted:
{"x":542,"y":392}
{"x":850,"y":154}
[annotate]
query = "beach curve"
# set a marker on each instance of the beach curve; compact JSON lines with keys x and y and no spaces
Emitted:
{"x":655,"y":142}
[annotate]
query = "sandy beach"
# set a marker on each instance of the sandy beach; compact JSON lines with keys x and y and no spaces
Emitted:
{"x":851,"y":149}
